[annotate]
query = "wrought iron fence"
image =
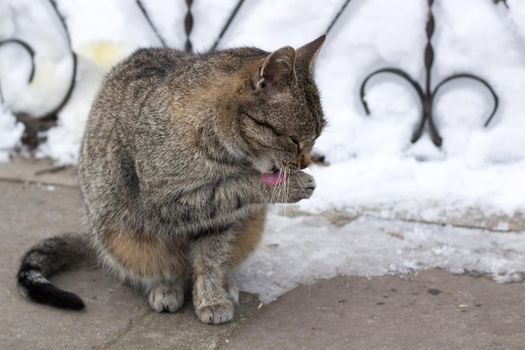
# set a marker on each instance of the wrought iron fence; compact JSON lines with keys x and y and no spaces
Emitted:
{"x":36,"y":123}
{"x":427,"y":95}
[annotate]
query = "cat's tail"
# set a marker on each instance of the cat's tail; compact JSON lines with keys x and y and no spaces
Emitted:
{"x":47,"y":258}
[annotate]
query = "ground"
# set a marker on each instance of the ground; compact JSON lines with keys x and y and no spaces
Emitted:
{"x":428,"y":310}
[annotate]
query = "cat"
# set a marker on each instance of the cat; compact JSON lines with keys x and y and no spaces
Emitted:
{"x":181,"y":156}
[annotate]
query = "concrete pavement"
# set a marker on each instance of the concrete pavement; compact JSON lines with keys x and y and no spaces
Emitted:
{"x":433,"y":310}
{"x":430,"y":310}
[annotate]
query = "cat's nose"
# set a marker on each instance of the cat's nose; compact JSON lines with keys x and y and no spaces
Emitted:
{"x":306,"y":160}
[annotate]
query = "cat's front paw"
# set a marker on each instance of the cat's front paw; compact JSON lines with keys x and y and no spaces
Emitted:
{"x":166,"y":298}
{"x":215,"y":313}
{"x":300,"y":186}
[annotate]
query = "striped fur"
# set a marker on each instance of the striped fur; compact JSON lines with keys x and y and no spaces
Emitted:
{"x":170,"y":172}
{"x":47,"y":258}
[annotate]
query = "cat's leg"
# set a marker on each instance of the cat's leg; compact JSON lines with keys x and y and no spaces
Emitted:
{"x":167,"y":297}
{"x":210,"y":260}
{"x":249,"y":237}
{"x":232,"y":290}
{"x":156,"y":265}
{"x":243,"y":246}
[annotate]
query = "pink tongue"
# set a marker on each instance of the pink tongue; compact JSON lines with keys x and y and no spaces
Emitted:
{"x":273,"y":179}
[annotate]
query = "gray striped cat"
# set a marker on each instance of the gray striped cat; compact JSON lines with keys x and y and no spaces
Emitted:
{"x":181,"y":156}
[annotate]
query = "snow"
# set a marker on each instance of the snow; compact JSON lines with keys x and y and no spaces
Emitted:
{"x":373,"y":165}
{"x":10,"y":133}
{"x":311,"y":248}
{"x":413,"y":186}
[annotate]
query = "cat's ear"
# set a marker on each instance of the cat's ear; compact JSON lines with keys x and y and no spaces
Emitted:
{"x":277,"y":68}
{"x":307,"y":54}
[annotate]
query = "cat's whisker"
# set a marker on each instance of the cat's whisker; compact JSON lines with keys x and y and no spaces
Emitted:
{"x":287,"y":191}
{"x":261,"y":197}
{"x":283,"y":189}
{"x":278,"y":188}
{"x":282,"y":186}
{"x":302,"y":185}
{"x":280,"y":177}
{"x":273,"y":195}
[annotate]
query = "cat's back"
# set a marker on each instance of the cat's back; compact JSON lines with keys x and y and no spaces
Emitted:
{"x":138,"y":93}
{"x":128,"y":85}
{"x":148,"y":64}
{"x":156,"y":67}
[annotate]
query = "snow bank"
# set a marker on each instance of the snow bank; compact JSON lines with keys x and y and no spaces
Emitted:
{"x":311,"y":249}
{"x":10,"y":133}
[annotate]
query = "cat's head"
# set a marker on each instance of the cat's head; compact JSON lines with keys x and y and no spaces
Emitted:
{"x":280,"y":115}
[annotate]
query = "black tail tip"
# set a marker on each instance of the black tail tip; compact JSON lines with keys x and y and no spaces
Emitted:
{"x":46,"y":293}
{"x":67,"y":300}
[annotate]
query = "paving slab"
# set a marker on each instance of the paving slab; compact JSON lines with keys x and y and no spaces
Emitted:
{"x":182,"y":330}
{"x":39,"y":171}
{"x":28,"y":214}
{"x":115,"y":316}
{"x":432,"y":310}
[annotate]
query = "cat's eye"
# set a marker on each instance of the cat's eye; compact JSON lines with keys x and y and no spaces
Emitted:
{"x":264,"y":125}
{"x":296,"y":142}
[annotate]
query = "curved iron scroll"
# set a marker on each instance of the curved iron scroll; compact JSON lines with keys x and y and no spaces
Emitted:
{"x":28,"y":49}
{"x":476,"y":78}
{"x":428,"y":94}
{"x":390,"y":70}
{"x":74,"y":67}
{"x":31,"y":54}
